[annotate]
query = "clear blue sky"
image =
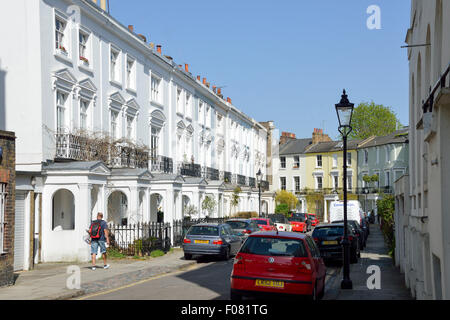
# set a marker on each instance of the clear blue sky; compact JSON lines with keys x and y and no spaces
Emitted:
{"x":285,"y":60}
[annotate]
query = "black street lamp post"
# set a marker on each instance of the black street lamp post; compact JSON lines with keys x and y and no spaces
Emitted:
{"x":259,"y":176}
{"x":344,"y":110}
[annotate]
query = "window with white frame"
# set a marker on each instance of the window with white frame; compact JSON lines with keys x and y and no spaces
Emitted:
{"x":2,"y":216}
{"x":378,"y":179}
{"x":319,"y":161}
{"x":283,"y":183}
{"x":61,"y":99}
{"x":319,"y":182}
{"x":349,"y":182}
{"x":131,"y":73}
{"x":386,"y":149}
{"x":349,"y":159}
{"x":84,"y":107}
{"x":208,"y":116}
{"x":336,"y":182}
{"x":188,"y":105}
{"x":387,"y":181}
{"x":60,"y":35}
{"x":179,"y":102}
{"x":378,"y":155}
{"x":283,"y":162}
{"x":155,"y":89}
{"x":335,"y":160}
{"x":366,"y":156}
{"x":297,"y":184}
{"x":200,"y":112}
{"x":130,"y":127}
{"x":114,"y":124}
{"x":296,"y":162}
{"x":154,"y":143}
{"x":83,"y":42}
{"x":115,"y":65}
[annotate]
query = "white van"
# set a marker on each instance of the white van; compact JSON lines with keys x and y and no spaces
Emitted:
{"x":353,"y":210}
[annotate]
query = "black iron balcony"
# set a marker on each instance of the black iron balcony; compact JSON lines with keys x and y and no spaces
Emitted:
{"x":210,"y":173}
{"x":161,"y":164}
{"x":374,"y":190}
{"x":227,"y":176}
{"x":252,"y":182}
{"x":241,"y":180}
{"x":190,"y":169}
{"x":264,"y":185}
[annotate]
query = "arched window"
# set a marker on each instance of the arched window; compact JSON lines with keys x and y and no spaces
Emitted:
{"x":63,"y":210}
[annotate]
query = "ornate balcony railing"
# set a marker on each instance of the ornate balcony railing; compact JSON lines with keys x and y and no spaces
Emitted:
{"x":374,"y":190}
{"x":161,"y":164}
{"x":75,"y":147}
{"x":241,"y":180}
{"x":252,"y":182}
{"x":264,"y":185}
{"x":227,"y":177}
{"x":210,"y":173}
{"x":189,"y":169}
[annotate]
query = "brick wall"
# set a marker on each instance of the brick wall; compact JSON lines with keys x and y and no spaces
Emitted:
{"x":8,"y":176}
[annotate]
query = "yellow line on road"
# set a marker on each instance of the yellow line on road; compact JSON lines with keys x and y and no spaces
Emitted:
{"x":191,"y":267}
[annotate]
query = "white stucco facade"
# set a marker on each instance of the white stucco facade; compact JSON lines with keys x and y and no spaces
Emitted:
{"x":422,"y":220}
{"x":70,"y":67}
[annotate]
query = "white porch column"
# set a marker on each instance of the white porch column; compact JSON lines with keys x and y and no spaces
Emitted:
{"x":325,"y":215}
{"x":133,"y":205}
{"x":83,"y":218}
{"x":169,"y":206}
{"x":147,"y":205}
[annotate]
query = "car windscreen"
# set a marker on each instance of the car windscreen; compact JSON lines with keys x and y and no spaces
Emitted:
{"x":328,"y":232}
{"x":263,"y":222}
{"x":238,"y":224}
{"x":266,"y":246}
{"x":298,"y":218}
{"x":278,"y":219}
{"x":203,"y":231}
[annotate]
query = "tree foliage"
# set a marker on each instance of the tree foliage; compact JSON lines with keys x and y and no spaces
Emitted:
{"x":287,"y":198}
{"x":370,"y":119}
{"x":209,"y":204}
{"x":386,"y":210}
{"x":235,"y":198}
{"x":282,"y":208}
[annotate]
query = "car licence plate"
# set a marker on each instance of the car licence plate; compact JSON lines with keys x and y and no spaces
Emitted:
{"x":201,"y":241}
{"x":269,"y":283}
{"x":329,"y":242}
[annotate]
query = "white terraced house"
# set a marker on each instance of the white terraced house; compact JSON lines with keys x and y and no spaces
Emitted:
{"x":106,"y":123}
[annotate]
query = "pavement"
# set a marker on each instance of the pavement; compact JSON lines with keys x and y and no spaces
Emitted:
{"x":48,"y":281}
{"x":375,"y":254}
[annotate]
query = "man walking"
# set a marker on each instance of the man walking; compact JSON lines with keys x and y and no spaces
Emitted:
{"x":99,"y":237}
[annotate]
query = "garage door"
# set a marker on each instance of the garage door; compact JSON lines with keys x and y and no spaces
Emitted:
{"x":19,"y":234}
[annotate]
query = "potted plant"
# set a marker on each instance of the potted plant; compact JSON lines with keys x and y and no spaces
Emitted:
{"x":63,"y":49}
{"x":84,"y":59}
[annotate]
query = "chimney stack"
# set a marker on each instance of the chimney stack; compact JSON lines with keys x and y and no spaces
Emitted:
{"x":319,"y":136}
{"x":186,"y":67}
{"x":214,"y":89}
{"x":102,"y":4}
{"x":204,"y":81}
{"x":131,"y":28}
{"x":142,"y":37}
{"x":286,"y":136}
{"x":158,"y":48}
{"x":229,"y":100}
{"x":152,"y":45}
{"x":198,"y":78}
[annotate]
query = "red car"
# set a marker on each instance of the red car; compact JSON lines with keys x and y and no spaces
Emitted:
{"x":264,"y":224}
{"x":313,"y":218}
{"x":281,"y":263}
{"x":298,"y":226}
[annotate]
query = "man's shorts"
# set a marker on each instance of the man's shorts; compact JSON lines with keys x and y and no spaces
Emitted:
{"x":95,"y":244}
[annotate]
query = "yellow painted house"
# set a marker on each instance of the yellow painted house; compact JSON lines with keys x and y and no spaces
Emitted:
{"x":324,"y":175}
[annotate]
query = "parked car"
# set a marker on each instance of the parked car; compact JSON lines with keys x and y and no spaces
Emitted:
{"x":298,"y":222}
{"x":328,"y":238}
{"x":211,"y":239}
{"x":243,"y":227}
{"x":313,"y":218}
{"x":360,"y":233}
{"x":265,"y":224}
{"x":280,"y":221}
{"x":280,"y":263}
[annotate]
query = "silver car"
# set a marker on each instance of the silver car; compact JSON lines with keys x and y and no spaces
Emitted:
{"x":211,"y":239}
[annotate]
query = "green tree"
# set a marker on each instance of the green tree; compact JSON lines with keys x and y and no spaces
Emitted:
{"x":370,"y":119}
{"x":209,"y":204}
{"x":287,"y":198}
{"x":235,"y":198}
{"x":386,"y":210}
{"x":282,"y":208}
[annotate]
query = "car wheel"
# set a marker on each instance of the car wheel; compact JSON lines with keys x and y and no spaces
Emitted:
{"x":187,"y":256}
{"x":226,"y":255}
{"x":235,"y":296}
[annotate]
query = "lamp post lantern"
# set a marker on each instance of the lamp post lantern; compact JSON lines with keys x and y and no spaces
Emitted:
{"x":259,"y":177}
{"x":344,"y":110}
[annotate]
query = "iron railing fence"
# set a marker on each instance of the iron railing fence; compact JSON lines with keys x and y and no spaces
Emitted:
{"x":181,"y":227}
{"x":141,"y":239}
